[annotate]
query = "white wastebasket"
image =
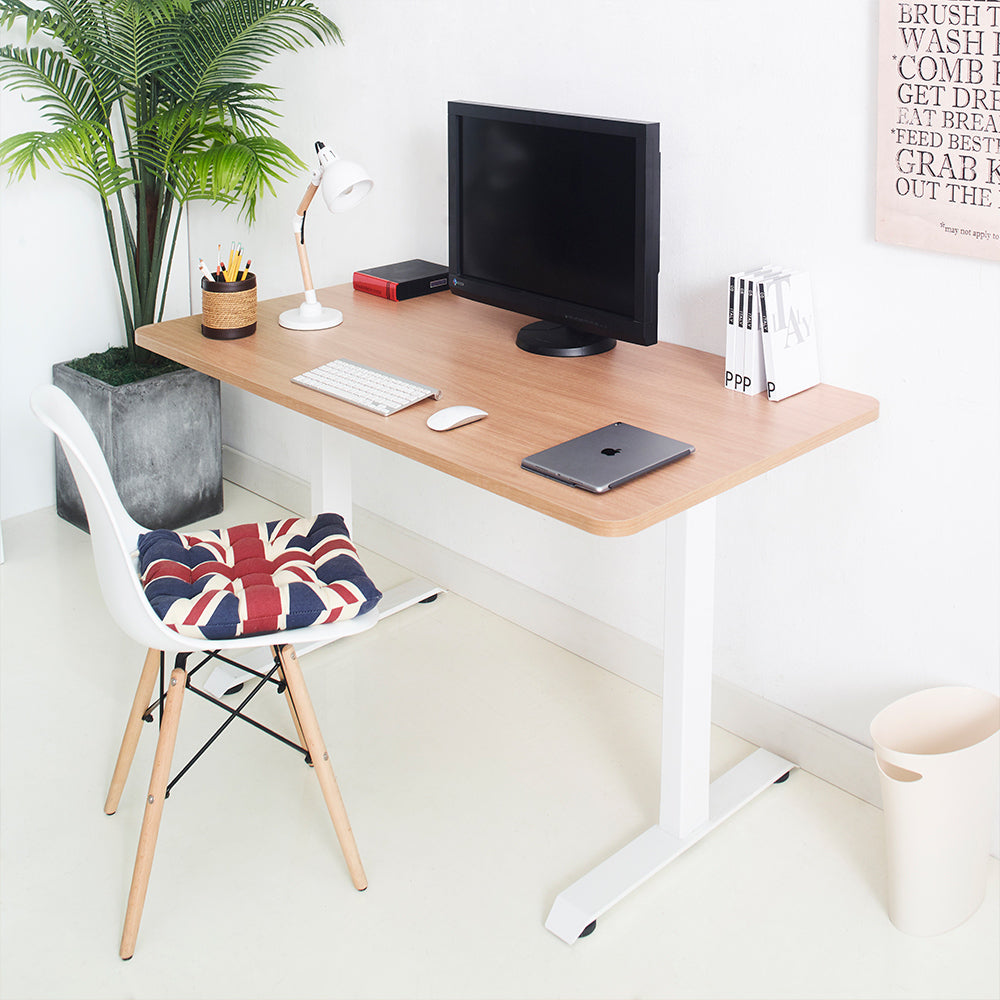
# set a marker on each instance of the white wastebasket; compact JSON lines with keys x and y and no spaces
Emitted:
{"x":938,"y":754}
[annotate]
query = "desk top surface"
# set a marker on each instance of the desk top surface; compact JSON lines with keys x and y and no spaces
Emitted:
{"x":467,"y":350}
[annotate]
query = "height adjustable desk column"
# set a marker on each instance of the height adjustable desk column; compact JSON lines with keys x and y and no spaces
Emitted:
{"x":467,"y":350}
{"x":691,"y":805}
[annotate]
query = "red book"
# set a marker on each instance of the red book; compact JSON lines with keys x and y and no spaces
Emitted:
{"x":404,"y":280}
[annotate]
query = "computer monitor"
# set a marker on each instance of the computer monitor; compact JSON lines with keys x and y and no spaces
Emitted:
{"x":556,"y":216}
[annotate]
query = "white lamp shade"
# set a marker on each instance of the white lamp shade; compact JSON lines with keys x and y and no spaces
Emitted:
{"x":344,"y":184}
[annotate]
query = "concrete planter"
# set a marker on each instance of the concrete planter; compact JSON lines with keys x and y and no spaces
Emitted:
{"x":162,"y":438}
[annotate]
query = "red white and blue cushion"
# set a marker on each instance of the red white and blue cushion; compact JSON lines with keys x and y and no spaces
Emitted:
{"x":255,"y":578}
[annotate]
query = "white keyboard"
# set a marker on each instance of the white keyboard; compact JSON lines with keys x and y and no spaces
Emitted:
{"x":363,"y":386}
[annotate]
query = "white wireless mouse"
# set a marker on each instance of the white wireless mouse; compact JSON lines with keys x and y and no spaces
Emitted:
{"x":454,"y":416}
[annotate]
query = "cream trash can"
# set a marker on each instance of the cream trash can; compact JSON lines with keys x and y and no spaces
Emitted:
{"x":938,"y":755}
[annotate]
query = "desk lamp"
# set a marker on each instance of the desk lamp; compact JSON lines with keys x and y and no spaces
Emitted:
{"x":344,"y":184}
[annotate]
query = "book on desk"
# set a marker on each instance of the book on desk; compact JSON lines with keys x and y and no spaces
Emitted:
{"x":770,"y":333}
{"x":404,"y":280}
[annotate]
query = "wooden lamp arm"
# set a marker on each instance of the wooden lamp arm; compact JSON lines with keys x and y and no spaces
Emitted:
{"x":300,"y":242}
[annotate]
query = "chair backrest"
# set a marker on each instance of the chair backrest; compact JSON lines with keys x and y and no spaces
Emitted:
{"x":113,"y":532}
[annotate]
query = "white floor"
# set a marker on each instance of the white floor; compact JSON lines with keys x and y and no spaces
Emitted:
{"x":483,"y":769}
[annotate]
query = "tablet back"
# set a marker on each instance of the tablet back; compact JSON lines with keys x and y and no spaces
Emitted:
{"x":606,"y":458}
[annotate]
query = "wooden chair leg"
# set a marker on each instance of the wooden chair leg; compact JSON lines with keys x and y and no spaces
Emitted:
{"x":302,"y":711}
{"x":143,"y":695}
{"x":291,"y":707}
{"x":154,"y":810}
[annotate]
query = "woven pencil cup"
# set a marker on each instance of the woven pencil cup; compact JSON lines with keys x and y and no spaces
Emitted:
{"x":229,"y":308}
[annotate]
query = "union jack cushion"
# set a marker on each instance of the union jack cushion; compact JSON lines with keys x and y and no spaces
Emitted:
{"x":255,"y":578}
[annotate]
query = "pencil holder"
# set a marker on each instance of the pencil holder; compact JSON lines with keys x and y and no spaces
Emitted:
{"x":229,"y":308}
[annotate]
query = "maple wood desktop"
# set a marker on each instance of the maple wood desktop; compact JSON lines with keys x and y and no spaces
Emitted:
{"x":466,"y":349}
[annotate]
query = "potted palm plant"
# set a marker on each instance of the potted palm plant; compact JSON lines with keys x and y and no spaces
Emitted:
{"x":153,"y":104}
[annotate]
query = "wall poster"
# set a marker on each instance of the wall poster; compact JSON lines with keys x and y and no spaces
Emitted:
{"x":938,"y":166}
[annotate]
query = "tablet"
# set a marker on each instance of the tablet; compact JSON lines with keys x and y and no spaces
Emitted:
{"x":608,"y":457}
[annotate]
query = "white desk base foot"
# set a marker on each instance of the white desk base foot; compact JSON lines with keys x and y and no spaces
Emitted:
{"x":396,"y":599}
{"x":587,"y":898}
{"x":411,"y":592}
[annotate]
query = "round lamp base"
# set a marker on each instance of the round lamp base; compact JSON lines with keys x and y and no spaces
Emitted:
{"x":310,"y":316}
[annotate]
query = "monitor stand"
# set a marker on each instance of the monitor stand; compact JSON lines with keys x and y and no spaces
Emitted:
{"x":558,"y":341}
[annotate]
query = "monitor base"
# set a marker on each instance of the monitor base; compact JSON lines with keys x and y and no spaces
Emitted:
{"x":555,"y":340}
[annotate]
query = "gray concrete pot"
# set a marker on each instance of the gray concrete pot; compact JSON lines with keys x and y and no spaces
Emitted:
{"x":162,"y":438}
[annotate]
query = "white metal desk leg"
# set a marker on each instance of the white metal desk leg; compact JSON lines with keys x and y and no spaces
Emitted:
{"x":331,"y":479}
{"x":688,"y":618}
{"x":689,"y":806}
{"x":331,"y":491}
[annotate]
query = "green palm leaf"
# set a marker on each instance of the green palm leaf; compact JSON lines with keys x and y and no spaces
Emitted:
{"x":62,"y":93}
{"x":231,"y":41}
{"x":81,"y":150}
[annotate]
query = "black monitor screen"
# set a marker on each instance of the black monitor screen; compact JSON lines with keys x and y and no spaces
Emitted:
{"x":557,"y":216}
{"x":550,"y":210}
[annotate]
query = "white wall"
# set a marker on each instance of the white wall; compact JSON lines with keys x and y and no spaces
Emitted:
{"x":859,"y":572}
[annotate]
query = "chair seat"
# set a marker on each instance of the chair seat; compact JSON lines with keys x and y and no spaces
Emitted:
{"x":255,"y":578}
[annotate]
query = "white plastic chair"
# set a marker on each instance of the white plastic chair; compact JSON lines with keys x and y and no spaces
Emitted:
{"x":113,"y":535}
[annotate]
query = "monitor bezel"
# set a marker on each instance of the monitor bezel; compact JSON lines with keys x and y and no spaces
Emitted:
{"x":641,"y":328}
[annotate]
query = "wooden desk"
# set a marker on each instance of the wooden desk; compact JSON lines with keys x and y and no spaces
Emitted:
{"x":467,"y":350}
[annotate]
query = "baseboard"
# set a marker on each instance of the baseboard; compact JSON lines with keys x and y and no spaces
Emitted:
{"x":266,"y":481}
{"x":829,"y":755}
